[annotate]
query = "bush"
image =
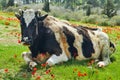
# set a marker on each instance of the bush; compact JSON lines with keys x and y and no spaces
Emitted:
{"x":66,"y":13}
{"x":93,"y":19}
{"x":73,"y":16}
{"x":85,"y":19}
{"x":11,"y":9}
{"x":103,"y":22}
{"x":116,"y":19}
{"x":111,"y":23}
{"x":96,"y":10}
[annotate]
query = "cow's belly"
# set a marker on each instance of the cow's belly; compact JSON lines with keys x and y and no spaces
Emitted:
{"x":97,"y":47}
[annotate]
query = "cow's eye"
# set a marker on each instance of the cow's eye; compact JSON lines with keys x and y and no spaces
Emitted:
{"x":21,"y":24}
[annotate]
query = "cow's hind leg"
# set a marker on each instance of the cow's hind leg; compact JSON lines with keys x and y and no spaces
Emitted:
{"x":28,"y":59}
{"x":105,"y":56}
{"x":54,"y":59}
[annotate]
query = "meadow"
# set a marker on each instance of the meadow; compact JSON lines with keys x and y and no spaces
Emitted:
{"x":13,"y":67}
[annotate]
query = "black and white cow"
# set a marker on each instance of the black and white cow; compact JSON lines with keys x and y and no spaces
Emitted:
{"x":59,"y":41}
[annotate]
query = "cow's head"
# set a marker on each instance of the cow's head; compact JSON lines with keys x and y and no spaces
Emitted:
{"x":29,"y":22}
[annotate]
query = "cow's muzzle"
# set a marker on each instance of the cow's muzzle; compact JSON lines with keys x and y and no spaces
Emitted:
{"x":26,"y":41}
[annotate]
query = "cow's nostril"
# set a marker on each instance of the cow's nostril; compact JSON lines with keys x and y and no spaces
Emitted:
{"x":26,"y":41}
{"x":25,"y":38}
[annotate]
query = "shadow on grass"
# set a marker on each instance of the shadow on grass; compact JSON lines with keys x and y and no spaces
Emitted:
{"x":23,"y":73}
{"x":74,"y":62}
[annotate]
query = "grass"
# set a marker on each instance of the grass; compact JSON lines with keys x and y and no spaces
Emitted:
{"x":13,"y":67}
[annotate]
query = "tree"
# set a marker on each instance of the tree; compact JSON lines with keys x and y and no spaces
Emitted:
{"x":88,"y":11}
{"x":27,"y":2}
{"x":94,"y":3}
{"x":117,"y":3}
{"x":46,"y":6}
{"x":34,"y":1}
{"x":3,"y":4}
{"x":110,"y":9}
{"x":10,"y":3}
{"x":70,"y":4}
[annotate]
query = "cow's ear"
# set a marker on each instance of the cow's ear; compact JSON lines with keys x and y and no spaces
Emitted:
{"x":20,"y":14}
{"x":17,"y":15}
{"x":41,"y":18}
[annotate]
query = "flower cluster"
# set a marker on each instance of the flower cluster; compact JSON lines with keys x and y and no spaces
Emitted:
{"x":91,"y":62}
{"x":81,"y":74}
{"x":34,"y":71}
{"x":6,"y":70}
{"x":44,"y":64}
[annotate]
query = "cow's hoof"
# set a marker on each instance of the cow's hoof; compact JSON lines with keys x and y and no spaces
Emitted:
{"x":29,"y":70}
{"x":32,"y":65}
{"x":101,"y":64}
{"x":50,"y":63}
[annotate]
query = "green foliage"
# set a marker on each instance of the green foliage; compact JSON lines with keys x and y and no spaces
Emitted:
{"x":67,"y":14}
{"x":101,"y":20}
{"x":94,"y":18}
{"x":88,"y":12}
{"x":94,"y":3}
{"x":3,"y":3}
{"x":11,"y":9}
{"x":70,"y":4}
{"x":116,"y":19}
{"x":10,"y":3}
{"x":27,"y":1}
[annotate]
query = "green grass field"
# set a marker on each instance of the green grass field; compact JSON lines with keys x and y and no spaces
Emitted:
{"x":13,"y":67}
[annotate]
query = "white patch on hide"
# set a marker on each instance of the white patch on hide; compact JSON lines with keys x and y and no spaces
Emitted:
{"x":29,"y":15}
{"x":57,"y":59}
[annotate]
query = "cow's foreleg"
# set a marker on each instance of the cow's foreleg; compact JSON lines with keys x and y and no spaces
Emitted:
{"x":54,"y":59}
{"x":28,"y":59}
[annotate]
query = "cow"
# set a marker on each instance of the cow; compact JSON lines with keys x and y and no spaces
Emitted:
{"x":58,"y":41}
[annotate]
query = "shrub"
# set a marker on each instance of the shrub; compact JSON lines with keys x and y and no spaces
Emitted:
{"x":66,"y":13}
{"x":73,"y":16}
{"x":93,"y":19}
{"x":85,"y":19}
{"x":116,"y":19}
{"x":96,"y":10}
{"x":111,"y":23}
{"x":11,"y":9}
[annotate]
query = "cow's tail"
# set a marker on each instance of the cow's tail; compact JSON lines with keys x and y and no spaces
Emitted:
{"x":112,"y":47}
{"x":112,"y":50}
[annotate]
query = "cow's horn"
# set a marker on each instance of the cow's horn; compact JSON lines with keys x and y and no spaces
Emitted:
{"x":38,"y":13}
{"x":21,"y":11}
